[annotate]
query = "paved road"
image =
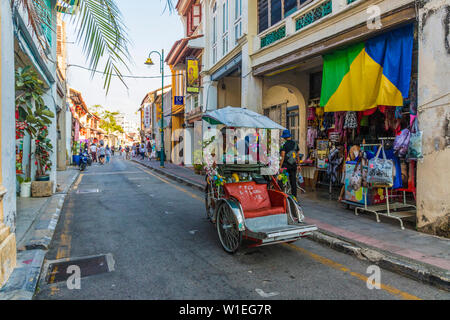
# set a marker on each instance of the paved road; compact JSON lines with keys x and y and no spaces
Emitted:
{"x":164,"y":248}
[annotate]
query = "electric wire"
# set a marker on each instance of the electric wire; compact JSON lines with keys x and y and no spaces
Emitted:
{"x":125,"y":76}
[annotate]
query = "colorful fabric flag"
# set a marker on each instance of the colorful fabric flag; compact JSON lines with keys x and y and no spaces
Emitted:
{"x":367,"y":74}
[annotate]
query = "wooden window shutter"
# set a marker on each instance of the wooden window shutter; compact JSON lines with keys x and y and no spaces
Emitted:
{"x":197,"y":15}
{"x":189,"y":23}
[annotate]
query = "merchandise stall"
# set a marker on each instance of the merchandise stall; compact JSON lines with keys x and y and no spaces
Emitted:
{"x":363,"y":136}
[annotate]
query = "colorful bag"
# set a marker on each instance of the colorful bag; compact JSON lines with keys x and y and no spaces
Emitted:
{"x":359,"y":176}
{"x":401,"y":143}
{"x":415,"y":143}
{"x":381,"y":171}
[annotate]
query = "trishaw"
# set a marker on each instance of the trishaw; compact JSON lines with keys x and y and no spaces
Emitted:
{"x":242,"y":200}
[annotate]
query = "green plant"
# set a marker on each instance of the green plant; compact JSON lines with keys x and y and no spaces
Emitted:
{"x":42,"y":152}
{"x":30,"y":107}
{"x":108,"y":122}
{"x":22,"y":179}
{"x":33,"y":116}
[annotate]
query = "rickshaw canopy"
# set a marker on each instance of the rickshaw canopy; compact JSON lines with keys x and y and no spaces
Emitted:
{"x":241,"y":118}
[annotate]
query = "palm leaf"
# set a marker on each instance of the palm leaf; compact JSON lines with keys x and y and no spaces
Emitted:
{"x":102,"y":33}
{"x":100,"y":29}
{"x":36,"y":18}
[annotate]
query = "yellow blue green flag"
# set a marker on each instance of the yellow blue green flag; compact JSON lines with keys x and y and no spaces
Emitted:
{"x":370,"y":73}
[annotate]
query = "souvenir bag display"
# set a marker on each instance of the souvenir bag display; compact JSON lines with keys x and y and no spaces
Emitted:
{"x":359,"y":176}
{"x":381,"y":171}
{"x":401,"y":143}
{"x":415,"y":143}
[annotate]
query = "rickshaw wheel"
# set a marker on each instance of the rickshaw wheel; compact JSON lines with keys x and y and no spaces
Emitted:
{"x":227,"y":228}
{"x":208,"y":203}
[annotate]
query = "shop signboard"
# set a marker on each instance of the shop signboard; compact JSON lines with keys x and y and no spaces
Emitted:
{"x":193,"y":80}
{"x":178,"y":100}
{"x":147,"y":116}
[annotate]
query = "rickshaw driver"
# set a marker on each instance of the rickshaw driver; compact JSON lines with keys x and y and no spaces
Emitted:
{"x":290,"y":159}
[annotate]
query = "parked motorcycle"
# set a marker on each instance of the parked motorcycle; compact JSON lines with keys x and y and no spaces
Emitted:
{"x":84,"y":161}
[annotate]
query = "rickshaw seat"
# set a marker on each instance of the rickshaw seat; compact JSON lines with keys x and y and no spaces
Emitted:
{"x":256,"y":200}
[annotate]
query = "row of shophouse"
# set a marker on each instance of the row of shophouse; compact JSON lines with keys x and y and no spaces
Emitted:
{"x":269,"y":56}
{"x":70,"y":122}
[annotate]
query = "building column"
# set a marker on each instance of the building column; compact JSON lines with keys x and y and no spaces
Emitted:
{"x":433,"y":174}
{"x":62,"y":140}
{"x":252,"y":87}
{"x":7,"y":142}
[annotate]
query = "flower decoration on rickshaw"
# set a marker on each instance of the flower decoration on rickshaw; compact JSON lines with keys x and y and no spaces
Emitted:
{"x":283,"y":176}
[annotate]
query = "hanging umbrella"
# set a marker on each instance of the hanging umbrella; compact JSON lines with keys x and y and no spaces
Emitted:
{"x":241,"y":118}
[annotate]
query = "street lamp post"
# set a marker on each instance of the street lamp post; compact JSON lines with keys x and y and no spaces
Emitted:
{"x":150,"y":62}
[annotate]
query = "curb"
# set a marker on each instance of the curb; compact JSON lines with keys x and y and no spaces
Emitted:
{"x":172,"y":176}
{"x":418,"y":271}
{"x":422,"y":272}
{"x":30,"y":257}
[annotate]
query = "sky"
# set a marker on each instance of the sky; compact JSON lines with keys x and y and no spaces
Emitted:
{"x":149,"y":28}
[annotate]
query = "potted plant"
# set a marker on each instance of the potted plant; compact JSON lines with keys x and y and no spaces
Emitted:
{"x":25,"y":186}
{"x":33,"y":117}
{"x":42,"y":154}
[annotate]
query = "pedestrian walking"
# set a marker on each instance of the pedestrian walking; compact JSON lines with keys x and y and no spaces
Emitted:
{"x":108,"y":154}
{"x":102,"y":154}
{"x":93,"y":149}
{"x":149,"y":149}
{"x":133,"y":150}
{"x":290,"y":159}
{"x":143,"y":150}
{"x":138,"y":151}
{"x":127,"y":152}
{"x":153,"y":152}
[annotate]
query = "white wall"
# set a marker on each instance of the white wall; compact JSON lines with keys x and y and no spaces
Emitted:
{"x":433,"y":174}
{"x":8,"y":134}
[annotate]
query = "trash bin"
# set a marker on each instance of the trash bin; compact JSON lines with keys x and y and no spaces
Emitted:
{"x":76,"y":159}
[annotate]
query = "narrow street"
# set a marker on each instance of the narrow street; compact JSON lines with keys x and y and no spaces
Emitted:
{"x":164,"y":248}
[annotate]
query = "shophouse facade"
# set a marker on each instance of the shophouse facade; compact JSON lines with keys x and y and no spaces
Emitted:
{"x":187,"y":97}
{"x":269,"y":56}
{"x":150,"y":113}
{"x":7,"y":143}
{"x":21,"y":47}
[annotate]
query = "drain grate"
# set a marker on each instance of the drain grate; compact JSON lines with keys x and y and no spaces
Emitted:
{"x":92,"y":265}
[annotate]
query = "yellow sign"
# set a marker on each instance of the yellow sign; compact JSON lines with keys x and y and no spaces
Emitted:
{"x":193,"y":81}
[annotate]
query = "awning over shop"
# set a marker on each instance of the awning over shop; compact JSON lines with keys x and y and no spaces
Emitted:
{"x":233,"y":65}
{"x":241,"y":118}
{"x":370,"y":73}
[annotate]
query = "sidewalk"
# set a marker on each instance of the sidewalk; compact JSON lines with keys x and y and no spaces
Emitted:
{"x":35,"y":226}
{"x":420,"y":256}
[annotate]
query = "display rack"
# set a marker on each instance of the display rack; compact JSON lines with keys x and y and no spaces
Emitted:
{"x":385,"y":209}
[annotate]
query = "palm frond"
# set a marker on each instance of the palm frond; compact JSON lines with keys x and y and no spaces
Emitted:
{"x":36,"y":18}
{"x":168,"y":6}
{"x":102,"y":32}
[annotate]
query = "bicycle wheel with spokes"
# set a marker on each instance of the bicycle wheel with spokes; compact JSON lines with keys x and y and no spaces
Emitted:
{"x":227,"y":228}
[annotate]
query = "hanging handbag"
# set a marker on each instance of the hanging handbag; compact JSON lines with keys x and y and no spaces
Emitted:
{"x":401,"y":143}
{"x":381,"y":171}
{"x":359,"y":176}
{"x":415,"y":143}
